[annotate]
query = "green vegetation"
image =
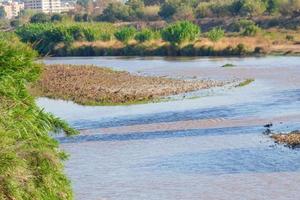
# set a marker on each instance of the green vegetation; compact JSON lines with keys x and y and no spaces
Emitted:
{"x":228,"y":65}
{"x":245,"y":82}
{"x":40,"y":18}
{"x":144,"y":35}
{"x":125,"y":34}
{"x":45,"y":37}
{"x":179,"y":32}
{"x":30,"y":159}
{"x":216,"y":34}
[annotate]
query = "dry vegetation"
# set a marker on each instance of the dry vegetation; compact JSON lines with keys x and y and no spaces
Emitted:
{"x":291,"y":139}
{"x":96,"y":86}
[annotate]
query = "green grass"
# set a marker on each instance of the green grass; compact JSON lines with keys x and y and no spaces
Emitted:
{"x":245,"y":82}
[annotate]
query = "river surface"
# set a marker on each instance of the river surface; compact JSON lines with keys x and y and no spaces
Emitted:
{"x":210,"y":147}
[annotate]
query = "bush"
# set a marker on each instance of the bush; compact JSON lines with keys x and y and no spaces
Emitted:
{"x":15,"y":23}
{"x":125,"y":34}
{"x":144,"y":35}
{"x":289,"y":37}
{"x":251,"y":30}
{"x":180,"y":31}
{"x":56,"y":18}
{"x":45,"y":37}
{"x":252,"y":7}
{"x":40,"y":18}
{"x":216,"y":34}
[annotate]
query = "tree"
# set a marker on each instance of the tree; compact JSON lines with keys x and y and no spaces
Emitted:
{"x":125,"y":34}
{"x":56,"y":18}
{"x":167,"y":10}
{"x":252,"y":7}
{"x":153,"y":2}
{"x":40,"y":18}
{"x":216,"y":34}
{"x":180,"y":31}
{"x":2,"y":13}
{"x":289,"y":7}
{"x":184,"y":13}
{"x":114,"y":12}
{"x":273,"y":6}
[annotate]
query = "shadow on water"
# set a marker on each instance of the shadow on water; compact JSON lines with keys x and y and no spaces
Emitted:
{"x":161,"y":134}
{"x":175,"y":134}
{"x":230,"y":161}
{"x":280,"y":100}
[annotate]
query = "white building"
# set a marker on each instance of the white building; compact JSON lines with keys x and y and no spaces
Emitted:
{"x":45,"y":6}
{"x":12,"y":9}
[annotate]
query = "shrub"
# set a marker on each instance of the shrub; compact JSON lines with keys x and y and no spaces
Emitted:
{"x":251,"y":30}
{"x":252,"y":7}
{"x":105,"y":37}
{"x":56,"y":18}
{"x":144,"y":35}
{"x":290,"y":37}
{"x":125,"y":34}
{"x":216,"y":34}
{"x":40,"y":18}
{"x":180,"y":31}
{"x":15,"y":23}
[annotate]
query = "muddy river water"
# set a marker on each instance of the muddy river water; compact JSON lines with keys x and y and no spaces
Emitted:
{"x":209,"y":147}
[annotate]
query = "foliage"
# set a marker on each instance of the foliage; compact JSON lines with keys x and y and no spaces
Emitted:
{"x":216,"y":34}
{"x":252,"y":7}
{"x":125,"y":34}
{"x":180,"y":32}
{"x":114,"y":12}
{"x":15,"y":23}
{"x":45,"y":37}
{"x":56,"y":18}
{"x":31,"y":165}
{"x":251,"y":30}
{"x":2,"y":13}
{"x":144,"y":35}
{"x":40,"y":18}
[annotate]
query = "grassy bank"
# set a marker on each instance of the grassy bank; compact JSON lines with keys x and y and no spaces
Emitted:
{"x":30,"y":160}
{"x":102,"y":86}
{"x":106,"y":39}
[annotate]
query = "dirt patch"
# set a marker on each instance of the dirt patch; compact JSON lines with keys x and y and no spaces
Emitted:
{"x":291,"y":139}
{"x":90,"y":85}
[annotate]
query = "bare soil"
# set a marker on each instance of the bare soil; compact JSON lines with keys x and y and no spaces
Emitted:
{"x":90,"y":85}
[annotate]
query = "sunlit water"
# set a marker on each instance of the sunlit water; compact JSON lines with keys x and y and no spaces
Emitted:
{"x":211,"y":147}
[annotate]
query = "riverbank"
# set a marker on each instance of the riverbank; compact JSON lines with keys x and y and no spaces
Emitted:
{"x":90,"y":85}
{"x":228,"y":46}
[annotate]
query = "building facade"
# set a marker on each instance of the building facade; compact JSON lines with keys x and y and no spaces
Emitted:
{"x":12,"y":9}
{"x":45,"y":6}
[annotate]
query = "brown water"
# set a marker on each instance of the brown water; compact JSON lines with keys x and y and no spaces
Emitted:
{"x":211,"y":147}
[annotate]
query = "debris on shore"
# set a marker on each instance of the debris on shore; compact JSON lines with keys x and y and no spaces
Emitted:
{"x":291,"y":139}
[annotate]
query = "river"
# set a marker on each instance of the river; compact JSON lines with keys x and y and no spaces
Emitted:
{"x":210,"y":147}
